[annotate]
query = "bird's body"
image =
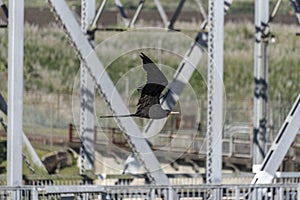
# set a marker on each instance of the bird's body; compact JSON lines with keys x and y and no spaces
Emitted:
{"x":148,"y":104}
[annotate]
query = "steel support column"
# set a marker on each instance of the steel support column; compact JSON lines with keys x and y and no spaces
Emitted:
{"x":88,"y":8}
{"x":215,"y":92}
{"x":15,"y":92}
{"x":260,"y":83}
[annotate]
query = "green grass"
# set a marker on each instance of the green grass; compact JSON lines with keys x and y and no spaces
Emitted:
{"x":50,"y":63}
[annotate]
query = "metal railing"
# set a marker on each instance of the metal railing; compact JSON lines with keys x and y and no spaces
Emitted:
{"x":109,"y":180}
{"x":178,"y":192}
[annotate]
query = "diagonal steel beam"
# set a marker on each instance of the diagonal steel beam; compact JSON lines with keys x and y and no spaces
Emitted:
{"x":35,"y":158}
{"x":3,"y":105}
{"x":296,"y":6}
{"x":136,"y":14}
{"x":4,"y":8}
{"x":122,"y":12}
{"x":176,"y":14}
{"x":104,"y":84}
{"x":162,"y":13}
{"x":280,"y":146}
{"x":98,"y":14}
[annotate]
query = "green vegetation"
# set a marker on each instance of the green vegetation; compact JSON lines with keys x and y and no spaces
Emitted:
{"x":51,"y":64}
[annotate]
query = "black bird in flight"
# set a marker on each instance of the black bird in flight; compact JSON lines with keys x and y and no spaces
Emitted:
{"x":149,"y":105}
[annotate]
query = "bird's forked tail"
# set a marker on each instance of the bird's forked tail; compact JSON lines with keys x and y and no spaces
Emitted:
{"x":111,"y":116}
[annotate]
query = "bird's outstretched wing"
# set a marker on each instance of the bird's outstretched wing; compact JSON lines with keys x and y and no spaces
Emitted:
{"x":156,"y":80}
{"x":156,"y":83}
{"x":154,"y":75}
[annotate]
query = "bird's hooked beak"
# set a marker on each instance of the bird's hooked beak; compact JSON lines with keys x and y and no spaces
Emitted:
{"x":174,"y":113}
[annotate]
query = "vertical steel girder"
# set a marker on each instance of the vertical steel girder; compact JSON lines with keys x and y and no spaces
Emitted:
{"x":15,"y":92}
{"x":260,"y":83}
{"x":87,"y":97}
{"x":139,"y":145}
{"x":280,"y":146}
{"x":215,"y":91}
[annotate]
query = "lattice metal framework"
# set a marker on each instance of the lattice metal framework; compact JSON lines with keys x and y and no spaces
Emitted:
{"x":105,"y":87}
{"x":84,"y":48}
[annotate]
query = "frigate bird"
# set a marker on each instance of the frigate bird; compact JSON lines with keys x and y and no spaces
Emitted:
{"x":148,"y":104}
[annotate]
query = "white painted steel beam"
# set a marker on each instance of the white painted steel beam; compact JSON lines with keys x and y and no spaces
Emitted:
{"x":33,"y":155}
{"x":15,"y":92}
{"x":162,"y":13}
{"x":136,"y":14}
{"x":99,"y":13}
